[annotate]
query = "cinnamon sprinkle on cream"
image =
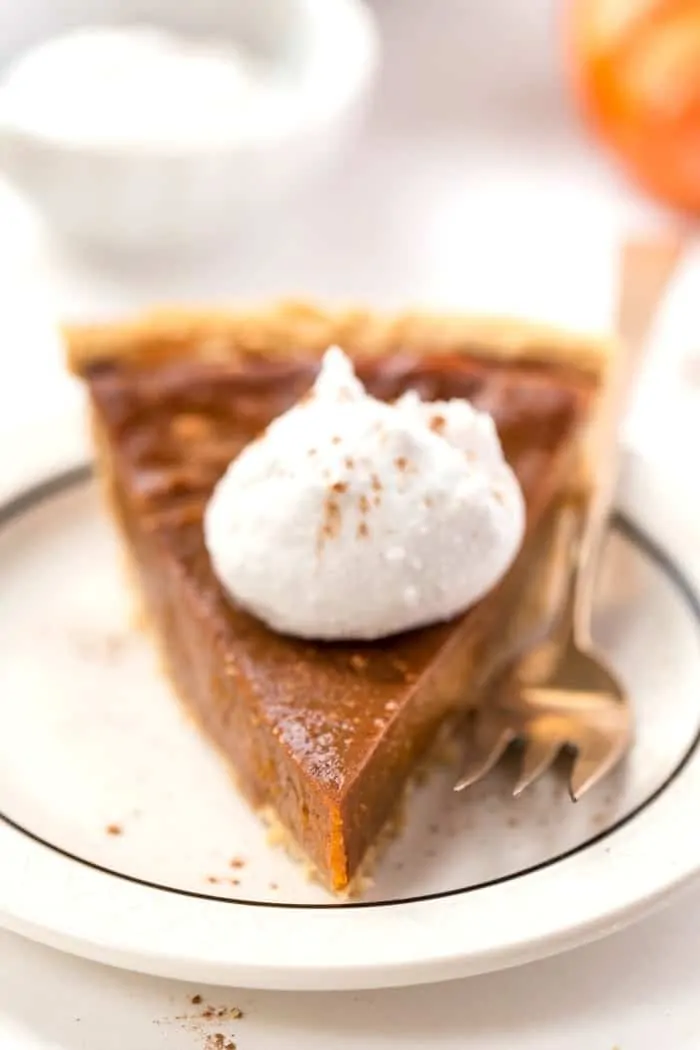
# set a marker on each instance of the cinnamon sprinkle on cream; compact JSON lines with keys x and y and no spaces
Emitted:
{"x":330,"y":523}
{"x":419,"y":559}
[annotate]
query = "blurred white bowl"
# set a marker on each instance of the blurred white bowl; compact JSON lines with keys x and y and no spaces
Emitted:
{"x":135,"y":199}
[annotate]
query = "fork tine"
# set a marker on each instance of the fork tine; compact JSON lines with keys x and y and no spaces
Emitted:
{"x":538,"y":756}
{"x":592,"y":764}
{"x":491,"y":742}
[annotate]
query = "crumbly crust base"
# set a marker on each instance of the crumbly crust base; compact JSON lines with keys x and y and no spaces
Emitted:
{"x":170,"y":334}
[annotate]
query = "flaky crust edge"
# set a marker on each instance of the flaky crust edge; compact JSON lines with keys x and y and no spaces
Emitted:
{"x":170,"y":334}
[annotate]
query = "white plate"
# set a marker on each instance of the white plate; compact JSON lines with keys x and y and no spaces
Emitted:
{"x":92,"y":738}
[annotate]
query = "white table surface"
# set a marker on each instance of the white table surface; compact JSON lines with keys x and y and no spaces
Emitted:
{"x":472,"y":188}
{"x":635,"y":991}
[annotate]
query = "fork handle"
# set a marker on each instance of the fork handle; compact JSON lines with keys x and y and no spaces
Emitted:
{"x":646,"y":267}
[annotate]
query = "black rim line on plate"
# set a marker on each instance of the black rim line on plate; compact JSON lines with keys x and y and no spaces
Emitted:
{"x":35,"y":495}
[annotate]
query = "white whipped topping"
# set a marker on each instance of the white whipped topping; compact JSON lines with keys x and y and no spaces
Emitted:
{"x":136,"y":86}
{"x":350,"y":518}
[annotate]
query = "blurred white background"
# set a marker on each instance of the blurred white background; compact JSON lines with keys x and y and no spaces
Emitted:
{"x":472,"y":185}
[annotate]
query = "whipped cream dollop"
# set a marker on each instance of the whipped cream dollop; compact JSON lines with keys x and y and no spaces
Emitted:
{"x":350,"y":518}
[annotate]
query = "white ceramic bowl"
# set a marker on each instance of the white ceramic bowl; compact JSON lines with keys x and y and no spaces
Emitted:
{"x":136,"y":199}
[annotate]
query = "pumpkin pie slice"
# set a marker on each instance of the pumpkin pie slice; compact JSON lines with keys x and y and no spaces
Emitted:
{"x":324,"y":736}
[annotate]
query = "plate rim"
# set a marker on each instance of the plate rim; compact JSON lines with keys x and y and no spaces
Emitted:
{"x":34,"y":496}
{"x":110,"y":918}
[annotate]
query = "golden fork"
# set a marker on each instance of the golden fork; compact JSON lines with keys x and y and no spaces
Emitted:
{"x":558,"y":693}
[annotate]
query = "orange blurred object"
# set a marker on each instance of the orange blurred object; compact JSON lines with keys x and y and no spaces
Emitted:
{"x":637,"y":70}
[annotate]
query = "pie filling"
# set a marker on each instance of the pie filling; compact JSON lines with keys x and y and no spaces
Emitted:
{"x":325,"y":734}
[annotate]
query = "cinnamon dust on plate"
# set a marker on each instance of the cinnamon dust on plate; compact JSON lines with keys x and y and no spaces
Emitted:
{"x":218,"y":1041}
{"x":206,"y":1016}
